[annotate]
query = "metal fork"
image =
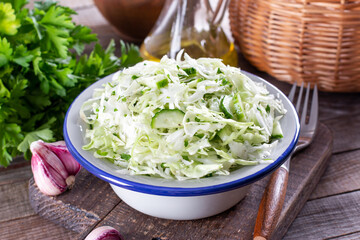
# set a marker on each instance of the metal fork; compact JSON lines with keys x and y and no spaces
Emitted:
{"x":274,"y":195}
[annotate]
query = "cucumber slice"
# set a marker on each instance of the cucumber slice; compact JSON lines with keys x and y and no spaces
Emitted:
{"x":277,"y":131}
{"x":167,"y":118}
{"x":224,"y":133}
{"x":232,"y":107}
{"x":239,"y":112}
{"x":226,"y":104}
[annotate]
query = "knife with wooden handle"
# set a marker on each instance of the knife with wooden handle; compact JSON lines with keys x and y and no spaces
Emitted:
{"x":271,"y":203}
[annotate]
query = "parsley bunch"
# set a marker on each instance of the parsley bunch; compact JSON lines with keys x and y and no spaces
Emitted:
{"x":42,"y":70}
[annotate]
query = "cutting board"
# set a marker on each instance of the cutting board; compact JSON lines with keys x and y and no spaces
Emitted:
{"x":92,"y":203}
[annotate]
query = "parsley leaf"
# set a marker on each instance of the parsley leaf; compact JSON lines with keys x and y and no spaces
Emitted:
{"x":43,"y":69}
{"x":5,"y":52}
{"x":8,"y":22}
{"x":131,"y":56}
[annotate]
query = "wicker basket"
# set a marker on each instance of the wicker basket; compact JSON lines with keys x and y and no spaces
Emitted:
{"x":316,"y":41}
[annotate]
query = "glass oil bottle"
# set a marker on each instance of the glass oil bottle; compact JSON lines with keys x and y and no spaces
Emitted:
{"x":191,"y":25}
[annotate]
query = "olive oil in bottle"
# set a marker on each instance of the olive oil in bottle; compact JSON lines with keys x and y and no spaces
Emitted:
{"x":193,"y":26}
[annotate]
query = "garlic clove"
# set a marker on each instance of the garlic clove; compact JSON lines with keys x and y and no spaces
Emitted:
{"x":50,"y":164}
{"x":48,"y":183}
{"x":49,"y":157}
{"x":104,"y":233}
{"x":60,"y":149}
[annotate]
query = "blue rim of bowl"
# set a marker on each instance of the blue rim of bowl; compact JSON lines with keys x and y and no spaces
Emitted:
{"x":179,"y":191}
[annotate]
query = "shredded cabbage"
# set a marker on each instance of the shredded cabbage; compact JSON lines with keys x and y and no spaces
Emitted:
{"x":213,"y":139}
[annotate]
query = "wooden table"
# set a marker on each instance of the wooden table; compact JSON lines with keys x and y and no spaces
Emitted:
{"x":332,"y":212}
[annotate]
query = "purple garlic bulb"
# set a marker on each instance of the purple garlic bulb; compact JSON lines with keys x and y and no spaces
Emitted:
{"x":53,"y":167}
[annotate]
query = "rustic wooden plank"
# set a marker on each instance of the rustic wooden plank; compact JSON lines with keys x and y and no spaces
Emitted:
{"x":21,"y":172}
{"x":238,"y":222}
{"x":342,"y":175}
{"x":135,"y":225}
{"x":78,"y":209}
{"x":34,"y":227}
{"x":332,"y":105}
{"x":14,"y":201}
{"x":327,"y":217}
{"x":351,"y":236}
{"x":346,"y":131}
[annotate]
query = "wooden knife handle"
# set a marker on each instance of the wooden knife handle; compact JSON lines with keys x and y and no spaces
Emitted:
{"x":271,"y":204}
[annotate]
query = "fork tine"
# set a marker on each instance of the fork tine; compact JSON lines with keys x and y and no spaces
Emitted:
{"x":298,"y":103}
{"x":292,"y":92}
{"x":314,"y":113}
{"x":304,"y":111}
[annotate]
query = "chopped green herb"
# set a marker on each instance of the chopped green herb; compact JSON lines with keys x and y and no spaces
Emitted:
{"x":125,"y":156}
{"x":219,"y":71}
{"x":185,"y":158}
{"x":162,"y":83}
{"x":134,"y":77}
{"x":200,"y":135}
{"x":142,"y":92}
{"x":224,"y":82}
{"x":190,"y":71}
{"x":115,"y":109}
{"x":267,"y":108}
{"x":207,"y":96}
{"x":186,"y":142}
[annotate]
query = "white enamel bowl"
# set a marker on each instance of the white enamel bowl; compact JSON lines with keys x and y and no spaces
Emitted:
{"x":171,"y":199}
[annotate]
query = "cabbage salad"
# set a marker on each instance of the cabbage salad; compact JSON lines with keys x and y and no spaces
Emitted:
{"x":182,"y":119}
